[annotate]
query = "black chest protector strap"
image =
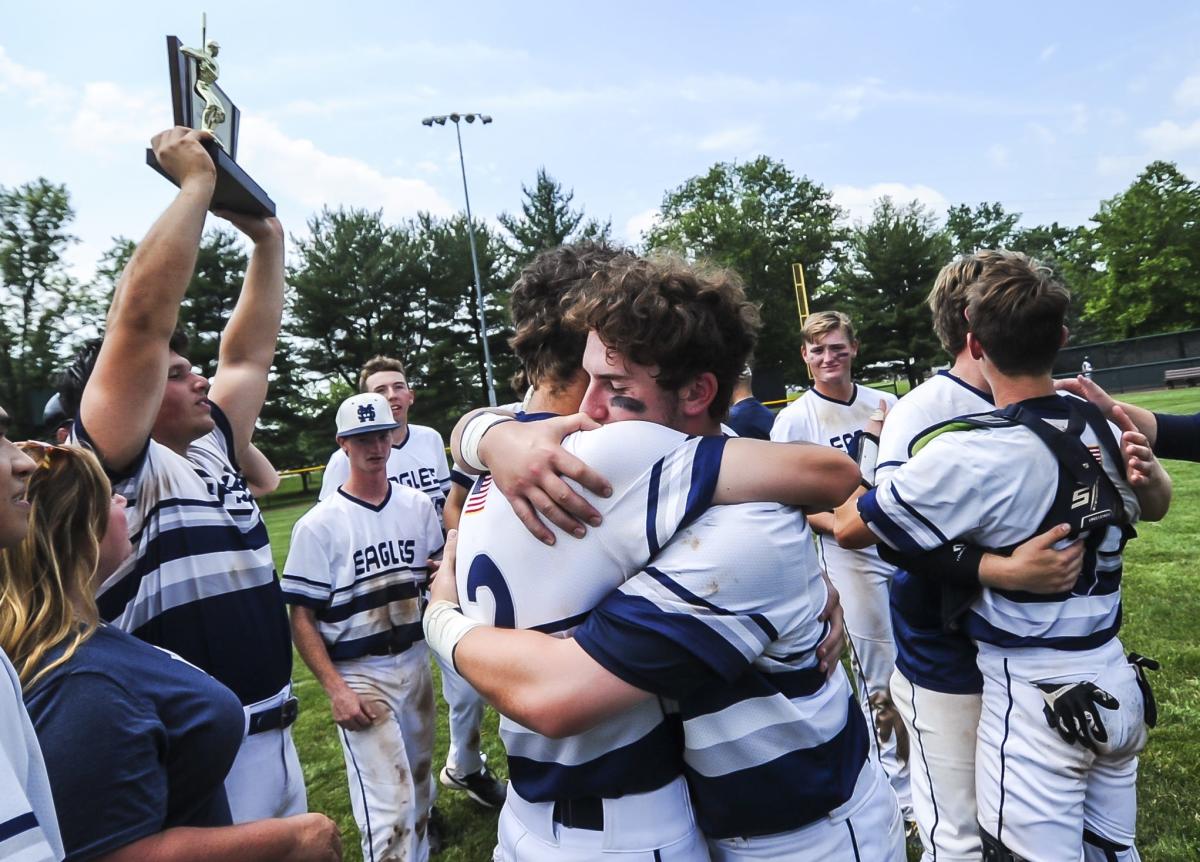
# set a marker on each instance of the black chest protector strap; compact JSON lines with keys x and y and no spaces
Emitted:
{"x":1086,"y":497}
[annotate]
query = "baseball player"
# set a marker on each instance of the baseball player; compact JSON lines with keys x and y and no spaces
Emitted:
{"x":28,"y":825}
{"x":1063,"y":712}
{"x":201,"y":582}
{"x":834,"y":413}
{"x":635,"y":744}
{"x":353,"y":577}
{"x":417,"y":459}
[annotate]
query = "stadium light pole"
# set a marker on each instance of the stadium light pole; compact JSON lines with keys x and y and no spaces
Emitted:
{"x":484,"y":119}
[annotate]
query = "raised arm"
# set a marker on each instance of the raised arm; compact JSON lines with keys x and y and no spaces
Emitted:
{"x":261,"y":476}
{"x":248,"y":342}
{"x":125,"y":391}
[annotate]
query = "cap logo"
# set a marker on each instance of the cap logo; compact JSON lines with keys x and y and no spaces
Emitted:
{"x":366,"y":413}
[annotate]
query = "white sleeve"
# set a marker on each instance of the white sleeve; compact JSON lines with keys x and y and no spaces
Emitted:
{"x":308,"y":573}
{"x":662,"y":480}
{"x":931,"y":499}
{"x":23,"y":832}
{"x":337,"y":471}
{"x":791,"y":426}
{"x":902,"y":424}
{"x":443,"y":464}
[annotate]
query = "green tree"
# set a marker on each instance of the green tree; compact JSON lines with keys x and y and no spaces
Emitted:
{"x":361,"y":287}
{"x":883,"y":284}
{"x":37,"y":296}
{"x":757,"y":218}
{"x":546,"y":221}
{"x":213,"y":292}
{"x":986,"y":225}
{"x":1146,"y":244}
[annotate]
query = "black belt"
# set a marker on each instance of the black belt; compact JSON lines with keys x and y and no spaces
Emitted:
{"x":585,"y":812}
{"x":275,"y":718}
{"x":391,"y":648}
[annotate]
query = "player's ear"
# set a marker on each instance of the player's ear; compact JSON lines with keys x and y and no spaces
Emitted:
{"x":974,"y":346}
{"x":698,"y":393}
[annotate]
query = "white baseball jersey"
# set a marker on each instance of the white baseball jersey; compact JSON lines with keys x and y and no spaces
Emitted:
{"x":201,"y":580}
{"x":661,"y":480}
{"x":725,"y":621}
{"x":418,"y":462}
{"x":361,"y":568}
{"x":994,"y":487}
{"x":28,"y":825}
{"x":925,"y":654}
{"x":816,"y":418}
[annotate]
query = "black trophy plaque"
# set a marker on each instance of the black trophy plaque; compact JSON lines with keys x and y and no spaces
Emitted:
{"x":235,"y":190}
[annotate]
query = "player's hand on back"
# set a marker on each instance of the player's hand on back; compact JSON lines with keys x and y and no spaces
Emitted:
{"x":1037,"y":565}
{"x":829,"y":650}
{"x":1141,"y":465}
{"x":444,"y":587}
{"x":1087,"y":389}
{"x":317,"y":839}
{"x":528,"y":464}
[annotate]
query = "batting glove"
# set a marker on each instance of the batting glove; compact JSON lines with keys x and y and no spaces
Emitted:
{"x":1071,"y":710}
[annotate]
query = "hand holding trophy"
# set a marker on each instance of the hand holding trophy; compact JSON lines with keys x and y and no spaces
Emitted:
{"x":199,"y":103}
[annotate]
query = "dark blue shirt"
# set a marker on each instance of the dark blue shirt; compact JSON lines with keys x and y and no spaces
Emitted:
{"x":1178,"y":437}
{"x":136,"y":741}
{"x":749,"y":418}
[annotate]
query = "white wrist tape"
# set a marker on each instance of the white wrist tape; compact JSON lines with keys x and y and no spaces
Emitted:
{"x":468,"y":444}
{"x":445,"y":625}
{"x":868,"y":455}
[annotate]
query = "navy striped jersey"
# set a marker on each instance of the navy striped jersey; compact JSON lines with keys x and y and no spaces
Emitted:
{"x":418,"y":462}
{"x":661,"y":480}
{"x":361,"y":568}
{"x":201,"y":581}
{"x":28,"y":824}
{"x":817,"y":418}
{"x":925,"y":654}
{"x":997,"y":487}
{"x":725,"y":622}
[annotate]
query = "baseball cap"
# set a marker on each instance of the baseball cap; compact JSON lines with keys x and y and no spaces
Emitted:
{"x":364,"y":413}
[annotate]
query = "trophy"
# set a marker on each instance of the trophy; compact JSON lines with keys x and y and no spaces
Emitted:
{"x":199,"y":103}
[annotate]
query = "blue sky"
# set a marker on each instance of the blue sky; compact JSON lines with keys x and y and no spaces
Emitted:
{"x":1047,"y":107}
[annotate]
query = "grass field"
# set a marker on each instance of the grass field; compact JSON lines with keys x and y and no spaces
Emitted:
{"x":1161,"y":610}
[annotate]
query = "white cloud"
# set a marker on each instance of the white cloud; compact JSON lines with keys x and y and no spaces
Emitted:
{"x":859,"y":201}
{"x":739,"y":138}
{"x":1168,"y":137}
{"x":36,"y":87}
{"x":998,"y":155}
{"x":638,"y":225}
{"x":1187,"y":94}
{"x":1119,"y":166}
{"x":1041,"y":134}
{"x":109,"y":117}
{"x":1048,"y":52}
{"x":297,"y":168}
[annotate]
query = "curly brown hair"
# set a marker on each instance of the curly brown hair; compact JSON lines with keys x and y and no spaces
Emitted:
{"x":550,"y":353}
{"x":685,"y":319}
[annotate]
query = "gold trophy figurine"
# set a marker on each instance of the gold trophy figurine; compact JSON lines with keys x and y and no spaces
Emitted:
{"x":207,"y":71}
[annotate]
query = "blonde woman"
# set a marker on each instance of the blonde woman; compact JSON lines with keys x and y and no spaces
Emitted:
{"x":137,"y":741}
